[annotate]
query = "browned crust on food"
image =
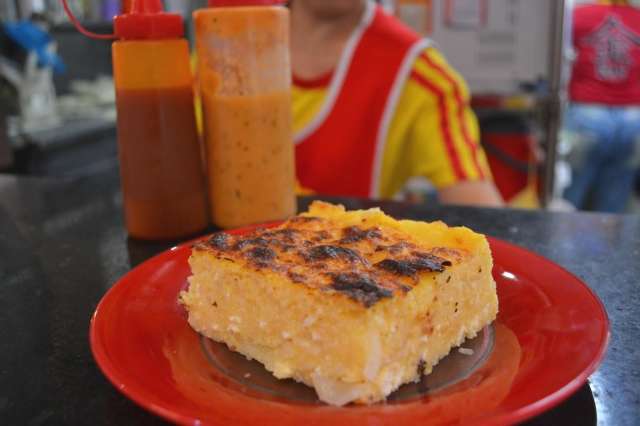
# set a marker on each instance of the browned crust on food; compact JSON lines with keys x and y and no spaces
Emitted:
{"x":367,"y":264}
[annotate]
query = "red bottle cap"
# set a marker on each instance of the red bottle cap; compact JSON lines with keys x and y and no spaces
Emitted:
{"x":232,"y":3}
{"x":147,"y":21}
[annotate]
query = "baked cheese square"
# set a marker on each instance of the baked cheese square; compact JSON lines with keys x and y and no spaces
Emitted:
{"x":352,"y":303}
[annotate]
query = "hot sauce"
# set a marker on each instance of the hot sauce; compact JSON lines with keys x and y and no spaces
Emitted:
{"x":249,"y":154}
{"x":245,"y":81}
{"x":161,"y":168}
{"x":160,"y":164}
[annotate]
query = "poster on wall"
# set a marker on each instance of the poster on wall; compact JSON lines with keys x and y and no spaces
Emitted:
{"x":466,"y":14}
{"x":417,"y":14}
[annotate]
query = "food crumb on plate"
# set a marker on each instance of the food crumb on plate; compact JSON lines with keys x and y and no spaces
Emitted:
{"x":465,"y":351}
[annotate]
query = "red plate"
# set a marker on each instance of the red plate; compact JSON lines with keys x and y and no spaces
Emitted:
{"x":550,"y":335}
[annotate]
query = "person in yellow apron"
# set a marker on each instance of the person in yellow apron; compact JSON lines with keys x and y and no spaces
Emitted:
{"x":374,"y":104}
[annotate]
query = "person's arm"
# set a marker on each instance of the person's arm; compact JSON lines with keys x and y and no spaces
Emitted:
{"x":444,"y":143}
{"x":478,"y":193}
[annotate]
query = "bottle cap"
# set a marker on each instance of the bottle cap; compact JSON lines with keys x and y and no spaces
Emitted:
{"x":147,"y":21}
{"x":232,"y":3}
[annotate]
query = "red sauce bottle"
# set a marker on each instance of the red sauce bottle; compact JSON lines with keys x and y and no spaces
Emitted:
{"x":161,"y":165}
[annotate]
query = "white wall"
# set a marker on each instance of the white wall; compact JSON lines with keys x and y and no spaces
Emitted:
{"x":577,"y":2}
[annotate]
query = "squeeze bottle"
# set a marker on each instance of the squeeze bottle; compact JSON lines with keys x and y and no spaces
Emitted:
{"x":245,"y":85}
{"x":161,"y":165}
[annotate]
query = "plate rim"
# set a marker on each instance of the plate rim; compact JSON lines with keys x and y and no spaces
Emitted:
{"x":556,"y":398}
{"x":139,"y":395}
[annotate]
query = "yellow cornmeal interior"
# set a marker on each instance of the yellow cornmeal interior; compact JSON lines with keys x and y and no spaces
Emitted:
{"x":346,"y":351}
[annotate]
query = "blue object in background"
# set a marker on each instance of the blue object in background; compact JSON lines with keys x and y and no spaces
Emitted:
{"x":33,"y":38}
{"x":110,"y":8}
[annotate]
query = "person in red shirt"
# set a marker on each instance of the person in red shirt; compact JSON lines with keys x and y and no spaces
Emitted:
{"x":375,"y":104}
{"x":603,"y":119}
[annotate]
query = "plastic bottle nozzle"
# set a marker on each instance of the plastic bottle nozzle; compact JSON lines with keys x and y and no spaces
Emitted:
{"x":146,"y":20}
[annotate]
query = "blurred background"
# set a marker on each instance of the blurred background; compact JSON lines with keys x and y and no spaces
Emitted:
{"x":57,"y":112}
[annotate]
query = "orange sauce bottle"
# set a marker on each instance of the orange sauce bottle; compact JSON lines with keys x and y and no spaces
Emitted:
{"x":161,"y":167}
{"x":245,"y":83}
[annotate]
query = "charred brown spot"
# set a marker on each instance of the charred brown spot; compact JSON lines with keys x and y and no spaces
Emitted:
{"x":257,"y":241}
{"x":436,"y":260}
{"x":219,"y":241}
{"x":410,"y":267}
{"x":404,"y":288}
{"x":449,"y":278}
{"x":296,"y":278}
{"x":359,"y":287}
{"x":326,"y":252}
{"x":397,"y":267}
{"x":321,"y":236}
{"x":353,"y":234}
{"x":261,"y":255}
{"x":421,"y":264}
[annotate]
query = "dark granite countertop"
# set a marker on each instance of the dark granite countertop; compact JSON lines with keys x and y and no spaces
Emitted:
{"x":62,"y":245}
